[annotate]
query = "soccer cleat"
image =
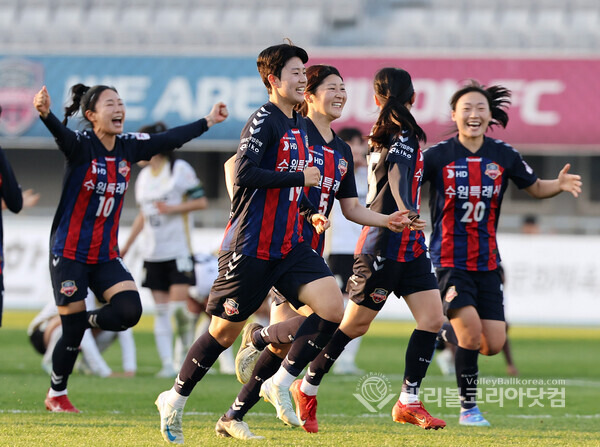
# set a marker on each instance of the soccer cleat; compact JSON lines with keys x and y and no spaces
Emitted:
{"x":59,"y":404}
{"x":473,"y":418}
{"x":170,"y":420}
{"x":306,"y":408}
{"x":416,"y":414}
{"x":279,"y":397}
{"x":166,"y":372}
{"x":346,"y":368}
{"x":234,"y":429}
{"x":247,"y":355}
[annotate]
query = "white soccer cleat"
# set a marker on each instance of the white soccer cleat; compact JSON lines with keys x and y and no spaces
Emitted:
{"x":445,"y":361}
{"x":280,"y":398}
{"x":170,"y":420}
{"x":247,"y":355}
{"x":167,"y":372}
{"x":235,"y":429}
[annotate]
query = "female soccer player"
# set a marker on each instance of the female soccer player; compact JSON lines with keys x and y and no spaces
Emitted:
{"x":468,"y":176}
{"x":84,"y":234}
{"x":324,"y":99}
{"x":388,"y":262}
{"x":167,"y":190}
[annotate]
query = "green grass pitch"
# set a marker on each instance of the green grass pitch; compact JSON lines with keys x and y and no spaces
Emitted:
{"x":555,"y":403}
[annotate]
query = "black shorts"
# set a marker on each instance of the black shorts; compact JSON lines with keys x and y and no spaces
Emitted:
{"x":244,"y":281}
{"x":37,"y":340}
{"x":341,"y":267}
{"x":483,"y":290}
{"x":375,"y":278}
{"x":71,"y":279}
{"x":162,"y":275}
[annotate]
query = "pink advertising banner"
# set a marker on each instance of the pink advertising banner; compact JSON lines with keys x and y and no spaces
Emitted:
{"x":555,"y":102}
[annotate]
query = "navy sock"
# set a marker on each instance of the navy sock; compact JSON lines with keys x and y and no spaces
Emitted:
{"x":66,"y":349}
{"x":202,"y":355}
{"x":310,"y":339}
{"x":466,"y":376}
{"x":279,"y":333}
{"x":447,"y":334}
{"x":123,"y":312}
{"x":267,"y":365}
{"x":417,"y":359}
{"x":324,"y":361}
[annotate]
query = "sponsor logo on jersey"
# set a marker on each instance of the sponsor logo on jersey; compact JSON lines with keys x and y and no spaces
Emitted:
{"x":20,"y":80}
{"x":492,"y":170}
{"x":68,"y":288}
{"x":231,"y":307}
{"x":451,"y":293}
{"x":379,"y":295}
{"x":343,"y":166}
{"x":123,"y":168}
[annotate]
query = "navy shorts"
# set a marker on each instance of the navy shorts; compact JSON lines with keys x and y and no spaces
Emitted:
{"x":375,"y":278}
{"x":244,"y":281}
{"x":162,"y":275}
{"x":483,"y":290}
{"x":71,"y":279}
{"x":341,"y":267}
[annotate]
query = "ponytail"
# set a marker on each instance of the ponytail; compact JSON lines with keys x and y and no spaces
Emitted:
{"x":84,"y":98}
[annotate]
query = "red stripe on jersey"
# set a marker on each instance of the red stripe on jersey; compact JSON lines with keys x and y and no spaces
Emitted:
{"x":113,"y":248}
{"x":105,"y":209}
{"x":492,"y":220}
{"x":472,"y":225}
{"x":77,"y":217}
{"x":448,"y":216}
{"x":268,"y":222}
{"x":361,"y":240}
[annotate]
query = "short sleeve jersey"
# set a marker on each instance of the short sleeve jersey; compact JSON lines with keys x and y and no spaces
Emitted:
{"x":407,"y":245}
{"x":466,"y":194}
{"x":334,"y":160}
{"x":264,"y":222}
{"x":167,"y":236}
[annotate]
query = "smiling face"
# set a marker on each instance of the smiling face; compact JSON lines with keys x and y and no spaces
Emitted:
{"x":288,"y":90}
{"x":108,"y":117}
{"x":472,"y":115}
{"x":328,"y":99}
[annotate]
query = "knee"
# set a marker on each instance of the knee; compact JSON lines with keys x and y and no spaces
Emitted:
{"x":470,"y":341}
{"x":433,"y":324}
{"x":491,"y":348}
{"x":129,"y":307}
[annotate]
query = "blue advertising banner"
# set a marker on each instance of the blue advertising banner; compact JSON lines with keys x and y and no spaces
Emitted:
{"x":175,"y":90}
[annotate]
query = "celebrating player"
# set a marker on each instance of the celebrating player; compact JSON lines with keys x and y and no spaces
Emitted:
{"x":469,"y":174}
{"x":84,"y":249}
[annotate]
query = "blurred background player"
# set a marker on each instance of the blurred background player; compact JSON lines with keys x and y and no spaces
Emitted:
{"x":167,"y":191}
{"x":465,"y":200}
{"x":342,"y":239}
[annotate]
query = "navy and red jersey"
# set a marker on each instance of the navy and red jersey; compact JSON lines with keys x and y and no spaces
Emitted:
{"x":394,"y":171}
{"x":268,"y":185}
{"x":334,"y":160}
{"x":466,"y":194}
{"x":86,"y":223}
{"x":10,"y":192}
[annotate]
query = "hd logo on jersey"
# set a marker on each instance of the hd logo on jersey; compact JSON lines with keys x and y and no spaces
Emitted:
{"x":231,"y":307}
{"x":20,"y":80}
{"x":379,"y":295}
{"x":68,"y":288}
{"x":492,"y":170}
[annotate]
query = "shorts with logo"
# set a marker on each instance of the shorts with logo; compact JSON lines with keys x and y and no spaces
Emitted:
{"x":163,"y":274}
{"x":483,"y":290}
{"x":375,"y":278}
{"x":71,"y":279}
{"x":341,"y":267}
{"x":244,"y":281}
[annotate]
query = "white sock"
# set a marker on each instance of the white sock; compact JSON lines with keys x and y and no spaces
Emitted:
{"x":175,"y":399}
{"x":308,"y":389}
{"x":408,"y":398}
{"x":163,"y":334}
{"x":53,"y":393}
{"x":283,"y":378}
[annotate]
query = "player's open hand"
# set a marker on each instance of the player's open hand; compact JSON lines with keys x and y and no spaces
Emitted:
{"x":312,"y":176}
{"x":320,"y":222}
{"x":398,"y":221}
{"x":41,"y":102}
{"x":218,"y":114}
{"x":569,"y":182}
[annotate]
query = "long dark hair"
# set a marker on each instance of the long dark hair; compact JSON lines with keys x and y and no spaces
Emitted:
{"x":498,"y":99}
{"x":394,"y":88}
{"x":315,"y":75}
{"x":84,"y":97}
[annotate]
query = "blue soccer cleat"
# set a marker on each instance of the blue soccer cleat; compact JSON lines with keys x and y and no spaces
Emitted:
{"x":473,"y":418}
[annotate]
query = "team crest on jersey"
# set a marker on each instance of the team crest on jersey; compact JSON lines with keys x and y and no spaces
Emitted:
{"x":379,"y":295}
{"x":20,"y":80}
{"x":68,"y":288}
{"x":231,"y":307}
{"x":123,"y":168}
{"x":451,"y":293}
{"x":492,"y":170}
{"x":343,"y":166}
